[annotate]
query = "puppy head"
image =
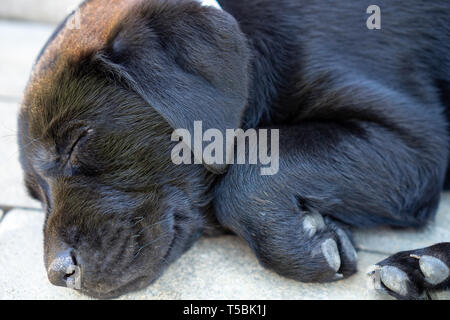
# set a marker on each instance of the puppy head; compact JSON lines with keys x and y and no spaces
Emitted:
{"x":95,"y":134}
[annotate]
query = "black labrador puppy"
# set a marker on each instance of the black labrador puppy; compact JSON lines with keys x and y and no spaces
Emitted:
{"x":362,"y":116}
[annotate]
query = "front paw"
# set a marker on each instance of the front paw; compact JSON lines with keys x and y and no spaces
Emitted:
{"x":325,"y":252}
{"x":410,"y":274}
{"x":347,"y":252}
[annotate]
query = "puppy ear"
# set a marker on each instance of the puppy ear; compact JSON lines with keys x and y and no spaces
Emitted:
{"x":189,"y":62}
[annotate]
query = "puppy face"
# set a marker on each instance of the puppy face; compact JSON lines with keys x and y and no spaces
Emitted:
{"x":101,"y":166}
{"x":95,"y":138}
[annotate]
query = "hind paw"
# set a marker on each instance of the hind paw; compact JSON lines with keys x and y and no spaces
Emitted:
{"x":410,"y":274}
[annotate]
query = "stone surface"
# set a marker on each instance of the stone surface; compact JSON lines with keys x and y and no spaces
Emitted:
{"x":37,"y":10}
{"x":219,"y":268}
{"x":20,"y":45}
{"x":11,"y":178}
{"x":440,"y":295}
{"x":22,"y":272}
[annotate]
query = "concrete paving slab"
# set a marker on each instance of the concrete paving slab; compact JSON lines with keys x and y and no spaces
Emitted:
{"x":219,"y":268}
{"x":37,"y":10}
{"x":389,"y":241}
{"x":20,"y":45}
{"x":13,"y":191}
{"x":22,"y":272}
{"x":225,"y":268}
{"x":440,"y":295}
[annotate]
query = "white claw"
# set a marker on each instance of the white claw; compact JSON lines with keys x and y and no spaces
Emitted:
{"x":313,"y":222}
{"x":434,"y":270}
{"x":374,"y":281}
{"x":331,"y":254}
{"x":338,"y":276}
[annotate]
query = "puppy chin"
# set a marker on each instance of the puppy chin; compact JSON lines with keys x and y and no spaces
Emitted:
{"x":136,"y":285}
{"x":179,"y":244}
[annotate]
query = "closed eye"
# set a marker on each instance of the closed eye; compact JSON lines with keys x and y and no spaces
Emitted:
{"x":76,"y":156}
{"x":80,"y":139}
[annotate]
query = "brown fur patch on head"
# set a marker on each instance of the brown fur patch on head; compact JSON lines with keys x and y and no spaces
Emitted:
{"x":98,"y":18}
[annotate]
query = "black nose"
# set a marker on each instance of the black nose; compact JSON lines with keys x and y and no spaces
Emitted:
{"x":64,"y":270}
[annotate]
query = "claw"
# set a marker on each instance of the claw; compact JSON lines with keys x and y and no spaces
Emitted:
{"x":312,"y":223}
{"x":373,"y":269}
{"x":374,"y":281}
{"x":337,"y":276}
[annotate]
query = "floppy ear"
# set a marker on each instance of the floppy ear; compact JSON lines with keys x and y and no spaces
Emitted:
{"x":189,"y":62}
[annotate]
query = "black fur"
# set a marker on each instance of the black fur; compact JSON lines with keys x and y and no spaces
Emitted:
{"x":362,"y":117}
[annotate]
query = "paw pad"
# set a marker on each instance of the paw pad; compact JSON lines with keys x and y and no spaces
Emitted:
{"x":331,"y":253}
{"x":347,"y":246}
{"x":395,"y":279}
{"x":434,"y":270}
{"x":389,"y":277}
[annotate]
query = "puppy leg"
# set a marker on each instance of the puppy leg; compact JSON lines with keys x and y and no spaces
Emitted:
{"x":330,"y":176}
{"x":409,"y":274}
{"x":294,"y":240}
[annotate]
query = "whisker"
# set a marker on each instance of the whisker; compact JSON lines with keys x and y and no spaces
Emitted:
{"x":20,"y":148}
{"x":9,"y":135}
{"x":148,"y":244}
{"x":9,"y":129}
{"x":150,"y":226}
{"x":140,"y":219}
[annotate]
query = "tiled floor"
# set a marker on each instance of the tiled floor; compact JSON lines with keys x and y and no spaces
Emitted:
{"x":222,"y":268}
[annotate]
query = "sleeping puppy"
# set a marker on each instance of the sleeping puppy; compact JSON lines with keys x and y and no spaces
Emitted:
{"x":363,"y":135}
